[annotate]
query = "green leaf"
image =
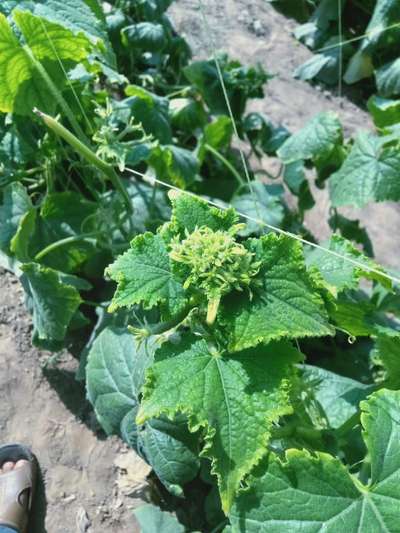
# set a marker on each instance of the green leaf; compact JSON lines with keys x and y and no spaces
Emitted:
{"x":171,"y":450}
{"x":384,"y":111}
{"x":146,"y":36}
{"x":262,"y":133}
{"x":16,"y":204}
{"x":174,"y":164}
{"x":63,"y":215}
{"x":340,"y":274}
{"x":20,"y":243}
{"x":316,"y":140}
{"x":263,"y":203}
{"x":223,"y":394}
{"x":369,"y":174}
{"x":287,"y":305}
{"x":310,"y":493}
{"x":217,"y":134}
{"x":152,"y":520}
{"x":351,"y":230}
{"x":388,"y":350}
{"x":388,"y":78}
{"x":190,"y":213}
{"x":114,"y":378}
{"x":144,"y":276}
{"x":115,"y":374}
{"x":337,"y":395}
{"x":22,"y":86}
{"x":151,"y":111}
{"x":53,"y":302}
{"x":187,"y":114}
{"x":324,"y":66}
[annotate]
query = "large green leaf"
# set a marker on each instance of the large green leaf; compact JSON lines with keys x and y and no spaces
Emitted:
{"x":144,"y":276}
{"x":286,"y":305}
{"x":388,"y":78}
{"x":171,"y":450}
{"x":388,"y":351}
{"x":311,"y":493}
{"x":224,"y":394}
{"x":22,"y":85}
{"x":153,"y":520}
{"x":339,"y":273}
{"x":337,"y":395}
{"x":114,"y":378}
{"x":114,"y":375}
{"x":369,"y":174}
{"x":16,"y":204}
{"x":316,"y":140}
{"x":53,"y":302}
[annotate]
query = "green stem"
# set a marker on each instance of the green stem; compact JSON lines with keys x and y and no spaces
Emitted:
{"x":62,"y":242}
{"x":57,"y":95}
{"x":87,"y":154}
{"x":228,"y":165}
{"x":212,"y":310}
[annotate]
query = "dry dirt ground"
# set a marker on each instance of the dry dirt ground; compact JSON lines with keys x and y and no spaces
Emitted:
{"x":89,"y":483}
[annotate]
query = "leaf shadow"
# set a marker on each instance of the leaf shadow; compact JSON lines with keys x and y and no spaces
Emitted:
{"x":72,"y":393}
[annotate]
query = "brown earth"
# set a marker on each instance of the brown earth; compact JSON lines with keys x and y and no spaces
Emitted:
{"x":85,"y":476}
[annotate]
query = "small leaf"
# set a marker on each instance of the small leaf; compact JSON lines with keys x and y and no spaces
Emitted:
{"x":146,"y":36}
{"x":337,"y":395}
{"x":369,"y":174}
{"x":175,"y":165}
{"x":317,"y":139}
{"x":388,"y":350}
{"x":53,"y":302}
{"x":144,"y":276}
{"x":340,"y":274}
{"x":151,"y":111}
{"x":263,"y":203}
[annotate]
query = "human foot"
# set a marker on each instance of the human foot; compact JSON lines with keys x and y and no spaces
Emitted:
{"x":17,"y":482}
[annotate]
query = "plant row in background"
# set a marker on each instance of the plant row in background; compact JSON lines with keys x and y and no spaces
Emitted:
{"x":356,"y":40}
{"x":228,"y":357}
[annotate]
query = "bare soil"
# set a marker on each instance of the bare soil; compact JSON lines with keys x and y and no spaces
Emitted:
{"x":90,"y":483}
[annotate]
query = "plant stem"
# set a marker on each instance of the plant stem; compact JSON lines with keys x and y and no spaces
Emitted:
{"x":88,"y":154}
{"x":228,"y":165}
{"x":62,"y":242}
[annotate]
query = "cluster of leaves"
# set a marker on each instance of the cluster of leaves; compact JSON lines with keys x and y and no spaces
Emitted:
{"x":122,"y":81}
{"x":223,"y":355}
{"x":370,"y":33}
{"x":247,"y":395}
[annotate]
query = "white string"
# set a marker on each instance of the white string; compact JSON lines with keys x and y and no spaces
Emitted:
{"x":153,"y":180}
{"x":228,"y":104}
{"x":358,"y":38}
{"x":341,"y":48}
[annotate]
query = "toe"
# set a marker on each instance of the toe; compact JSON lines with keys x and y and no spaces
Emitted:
{"x":21,"y":462}
{"x":8,"y":466}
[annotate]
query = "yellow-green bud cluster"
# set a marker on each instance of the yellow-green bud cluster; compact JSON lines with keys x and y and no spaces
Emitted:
{"x":216,"y":263}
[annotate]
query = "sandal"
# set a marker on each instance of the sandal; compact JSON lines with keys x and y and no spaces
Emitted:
{"x":16,"y":483}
